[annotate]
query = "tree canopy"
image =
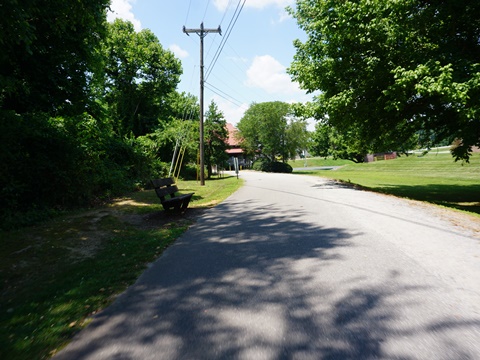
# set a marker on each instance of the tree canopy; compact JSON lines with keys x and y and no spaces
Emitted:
{"x":389,"y":69}
{"x":49,"y":52}
{"x":140,"y":75}
{"x":270,"y":129}
{"x":216,"y":136}
{"x":88,"y":110}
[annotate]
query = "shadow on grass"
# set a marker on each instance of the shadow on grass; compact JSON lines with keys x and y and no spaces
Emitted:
{"x":247,"y":285}
{"x":461,"y":197}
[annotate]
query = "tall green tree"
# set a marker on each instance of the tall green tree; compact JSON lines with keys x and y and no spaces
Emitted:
{"x":390,"y":69}
{"x":216,"y":136}
{"x":271,"y":130}
{"x":140,"y":77}
{"x":49,"y":53}
{"x":327,"y":141}
{"x":297,"y":137}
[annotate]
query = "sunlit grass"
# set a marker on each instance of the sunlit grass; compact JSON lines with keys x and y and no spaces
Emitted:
{"x":434,"y":177}
{"x":317,"y":162}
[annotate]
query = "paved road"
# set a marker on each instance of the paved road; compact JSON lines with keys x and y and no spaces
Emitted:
{"x":296,"y":267}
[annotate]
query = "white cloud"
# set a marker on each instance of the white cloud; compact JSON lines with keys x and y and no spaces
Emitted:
{"x":283,"y":16}
{"x":238,"y":59}
{"x":268,"y":74}
{"x":260,"y":4}
{"x":231,"y":112}
{"x":222,"y":5}
{"x":178,"y":51}
{"x":123,"y":9}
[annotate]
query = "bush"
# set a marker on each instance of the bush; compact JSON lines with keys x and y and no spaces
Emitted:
{"x":272,"y":166}
{"x":189,"y":172}
{"x":51,"y":164}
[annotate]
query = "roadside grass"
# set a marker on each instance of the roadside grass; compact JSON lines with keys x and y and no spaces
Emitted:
{"x":434,"y":178}
{"x":58,"y":274}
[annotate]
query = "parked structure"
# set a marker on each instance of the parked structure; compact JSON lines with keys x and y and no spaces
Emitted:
{"x":234,"y":150}
{"x":380,"y":156}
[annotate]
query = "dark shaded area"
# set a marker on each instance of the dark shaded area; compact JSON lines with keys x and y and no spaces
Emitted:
{"x":461,"y":197}
{"x":214,"y":293}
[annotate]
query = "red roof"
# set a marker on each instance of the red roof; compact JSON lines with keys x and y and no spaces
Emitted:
{"x":232,"y":130}
{"x":232,"y":142}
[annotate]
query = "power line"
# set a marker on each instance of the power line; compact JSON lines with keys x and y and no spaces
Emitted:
{"x":229,"y":88}
{"x":225,"y":38}
{"x":188,"y":11}
{"x":225,"y":12}
{"x":205,"y":13}
{"x":224,"y":96}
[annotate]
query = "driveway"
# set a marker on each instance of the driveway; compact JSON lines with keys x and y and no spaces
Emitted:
{"x":298,"y":267}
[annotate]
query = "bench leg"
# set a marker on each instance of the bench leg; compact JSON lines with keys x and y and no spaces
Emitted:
{"x":186,"y":201}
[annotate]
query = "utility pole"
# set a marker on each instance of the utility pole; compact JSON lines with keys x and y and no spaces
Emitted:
{"x":202,"y":32}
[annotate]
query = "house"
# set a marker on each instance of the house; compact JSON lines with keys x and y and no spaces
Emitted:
{"x":234,"y":150}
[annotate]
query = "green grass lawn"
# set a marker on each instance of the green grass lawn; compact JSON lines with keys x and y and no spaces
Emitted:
{"x":434,"y":177}
{"x":56,"y":275}
{"x":317,"y":162}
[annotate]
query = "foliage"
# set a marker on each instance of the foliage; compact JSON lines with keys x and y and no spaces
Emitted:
{"x":50,"y":51}
{"x":327,"y":141}
{"x":215,"y":138}
{"x":269,"y":129}
{"x":88,"y":110}
{"x":271,"y":166}
{"x":140,"y":76}
{"x":75,"y":95}
{"x":388,"y":69}
{"x":64,"y":162}
{"x":297,"y":137}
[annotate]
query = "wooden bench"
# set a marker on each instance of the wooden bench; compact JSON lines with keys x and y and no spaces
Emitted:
{"x":166,"y":189}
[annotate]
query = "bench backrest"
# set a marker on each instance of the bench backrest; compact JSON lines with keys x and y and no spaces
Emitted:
{"x":164,"y":191}
{"x":158,"y":183}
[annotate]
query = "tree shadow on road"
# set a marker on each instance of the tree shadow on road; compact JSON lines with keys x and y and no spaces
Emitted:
{"x":250,"y":285}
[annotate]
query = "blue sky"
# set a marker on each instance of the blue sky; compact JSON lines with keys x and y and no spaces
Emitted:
{"x":252,"y":64}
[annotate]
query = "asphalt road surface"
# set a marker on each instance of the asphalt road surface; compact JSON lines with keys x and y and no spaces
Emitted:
{"x":298,"y":267}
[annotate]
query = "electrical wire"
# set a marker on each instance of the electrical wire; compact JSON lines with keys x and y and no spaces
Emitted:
{"x":225,"y":38}
{"x":223,"y":95}
{"x":225,"y":12}
{"x":205,"y":13}
{"x":188,"y":11}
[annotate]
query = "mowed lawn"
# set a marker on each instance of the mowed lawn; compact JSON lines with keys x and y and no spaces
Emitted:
{"x":434,"y":177}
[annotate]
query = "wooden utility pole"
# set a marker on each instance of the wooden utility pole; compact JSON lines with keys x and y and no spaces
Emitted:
{"x":202,"y":32}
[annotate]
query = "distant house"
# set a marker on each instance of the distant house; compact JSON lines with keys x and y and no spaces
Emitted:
{"x":380,"y":156}
{"x":234,"y":150}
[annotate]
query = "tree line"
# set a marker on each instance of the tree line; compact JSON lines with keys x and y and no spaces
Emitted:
{"x":88,"y":109}
{"x":391,"y":74}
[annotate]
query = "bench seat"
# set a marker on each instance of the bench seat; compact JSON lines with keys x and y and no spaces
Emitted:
{"x":166,"y":190}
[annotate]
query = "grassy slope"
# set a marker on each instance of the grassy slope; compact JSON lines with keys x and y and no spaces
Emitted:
{"x":317,"y":162}
{"x":435,"y":178}
{"x":57,"y":274}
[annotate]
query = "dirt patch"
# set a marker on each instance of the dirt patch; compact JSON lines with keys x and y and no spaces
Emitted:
{"x":160,"y":219}
{"x":462,"y":220}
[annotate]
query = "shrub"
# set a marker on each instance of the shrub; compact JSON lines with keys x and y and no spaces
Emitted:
{"x":271,"y":166}
{"x":50,"y":164}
